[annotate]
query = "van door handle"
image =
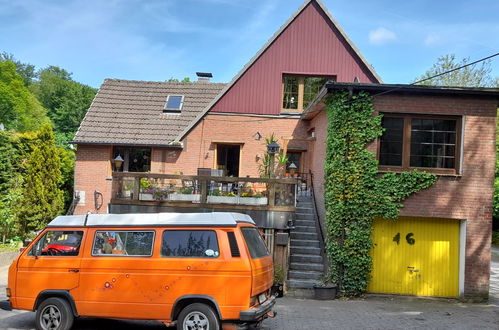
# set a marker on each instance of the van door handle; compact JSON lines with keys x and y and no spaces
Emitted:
{"x":74,"y":270}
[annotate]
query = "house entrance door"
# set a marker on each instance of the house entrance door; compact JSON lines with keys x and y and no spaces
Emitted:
{"x":228,"y":156}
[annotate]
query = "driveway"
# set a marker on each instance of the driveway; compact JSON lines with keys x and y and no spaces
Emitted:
{"x":373,"y":312}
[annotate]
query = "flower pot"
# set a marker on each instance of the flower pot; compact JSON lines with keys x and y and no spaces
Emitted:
{"x":146,"y":197}
{"x":253,"y":200}
{"x":325,"y":292}
{"x":184,"y":197}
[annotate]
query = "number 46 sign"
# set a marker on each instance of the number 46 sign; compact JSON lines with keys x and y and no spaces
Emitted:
{"x":408,"y":238}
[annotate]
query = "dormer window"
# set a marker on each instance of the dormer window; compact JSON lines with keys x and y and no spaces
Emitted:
{"x":174,"y":103}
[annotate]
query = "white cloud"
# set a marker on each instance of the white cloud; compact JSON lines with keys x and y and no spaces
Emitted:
{"x":381,"y":36}
{"x":432,"y":39}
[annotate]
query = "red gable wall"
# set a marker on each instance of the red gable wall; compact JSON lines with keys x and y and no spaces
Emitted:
{"x":309,"y":45}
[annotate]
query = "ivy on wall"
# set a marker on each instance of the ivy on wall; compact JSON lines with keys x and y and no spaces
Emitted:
{"x":355,"y":192}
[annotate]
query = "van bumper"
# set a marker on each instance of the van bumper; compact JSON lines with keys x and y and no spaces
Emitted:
{"x":5,"y":305}
{"x":257,"y":313}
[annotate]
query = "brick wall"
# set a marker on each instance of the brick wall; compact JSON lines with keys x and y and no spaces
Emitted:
{"x":467,"y":197}
{"x":93,"y":173}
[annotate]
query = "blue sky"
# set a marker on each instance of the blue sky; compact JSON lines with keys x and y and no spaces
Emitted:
{"x":161,"y":39}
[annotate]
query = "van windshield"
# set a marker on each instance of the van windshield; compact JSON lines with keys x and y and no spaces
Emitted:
{"x":255,"y":243}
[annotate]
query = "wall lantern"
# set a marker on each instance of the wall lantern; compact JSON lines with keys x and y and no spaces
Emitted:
{"x":292,"y":169}
{"x":118,"y":161}
{"x":273,"y":148}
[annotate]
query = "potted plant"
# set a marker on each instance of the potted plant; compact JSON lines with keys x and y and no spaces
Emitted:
{"x":326,"y":290}
{"x":278,"y":286}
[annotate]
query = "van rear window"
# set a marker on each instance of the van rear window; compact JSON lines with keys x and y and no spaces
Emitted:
{"x":123,"y":243}
{"x":190,"y":243}
{"x":255,"y":243}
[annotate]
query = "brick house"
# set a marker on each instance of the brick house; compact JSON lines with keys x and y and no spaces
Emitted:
{"x":214,"y":125}
{"x":173,"y":133}
{"x":442,"y":130}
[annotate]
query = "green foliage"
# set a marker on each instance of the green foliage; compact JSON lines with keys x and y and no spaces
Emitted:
{"x":26,"y":71}
{"x":65,"y":99}
{"x":355,"y":193}
{"x":19,"y":109}
{"x":478,"y":75}
{"x":272,"y":166}
{"x":42,"y":198}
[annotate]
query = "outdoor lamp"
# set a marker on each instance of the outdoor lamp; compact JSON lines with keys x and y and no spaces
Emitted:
{"x":292,"y":169}
{"x":273,"y":148}
{"x":118,"y":161}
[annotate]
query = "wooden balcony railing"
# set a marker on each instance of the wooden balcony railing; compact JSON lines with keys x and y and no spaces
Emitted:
{"x":207,"y":191}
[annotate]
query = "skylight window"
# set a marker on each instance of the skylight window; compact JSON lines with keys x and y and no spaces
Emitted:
{"x":174,"y":103}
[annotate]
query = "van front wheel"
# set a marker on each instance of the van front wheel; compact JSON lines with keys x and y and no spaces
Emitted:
{"x":54,"y":314}
{"x":197,"y":317}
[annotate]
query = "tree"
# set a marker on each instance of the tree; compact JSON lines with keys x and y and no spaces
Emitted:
{"x":26,"y":71}
{"x":42,"y":198}
{"x":477,"y":75}
{"x":19,"y":109}
{"x":66,"y":100}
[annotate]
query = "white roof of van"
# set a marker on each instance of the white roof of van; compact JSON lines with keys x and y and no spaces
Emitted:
{"x":152,"y":219}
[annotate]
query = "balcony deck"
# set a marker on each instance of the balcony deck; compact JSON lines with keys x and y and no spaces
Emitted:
{"x":195,"y":191}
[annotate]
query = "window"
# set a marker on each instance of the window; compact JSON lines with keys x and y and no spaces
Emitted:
{"x":190,"y":243}
{"x":299,"y":91}
{"x":123,"y":243}
{"x":255,"y":243}
{"x":426,"y":142}
{"x":134,"y":159}
{"x":174,"y":103}
{"x":58,"y":243}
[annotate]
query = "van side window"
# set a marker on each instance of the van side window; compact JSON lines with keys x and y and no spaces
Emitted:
{"x":58,"y":243}
{"x":255,"y":243}
{"x":123,"y":243}
{"x":190,"y":243}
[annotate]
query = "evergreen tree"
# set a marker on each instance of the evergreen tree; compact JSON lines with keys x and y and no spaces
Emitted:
{"x":42,"y":198}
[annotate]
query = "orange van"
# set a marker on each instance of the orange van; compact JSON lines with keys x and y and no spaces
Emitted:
{"x":195,"y":270}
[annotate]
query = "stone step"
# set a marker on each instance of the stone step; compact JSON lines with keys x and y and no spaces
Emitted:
{"x":304,"y":210}
{"x":306,"y":266}
{"x":302,"y":283}
{"x":307,"y":204}
{"x":304,"y":223}
{"x":304,"y":229}
{"x":306,"y":275}
{"x":304,"y":216}
{"x":305,"y":258}
{"x":305,"y":242}
{"x":307,"y":236}
{"x":305,"y":250}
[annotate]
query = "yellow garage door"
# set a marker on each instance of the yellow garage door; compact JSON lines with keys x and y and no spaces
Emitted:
{"x":416,"y":256}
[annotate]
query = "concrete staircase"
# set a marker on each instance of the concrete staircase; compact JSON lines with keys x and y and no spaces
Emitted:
{"x":306,"y":266}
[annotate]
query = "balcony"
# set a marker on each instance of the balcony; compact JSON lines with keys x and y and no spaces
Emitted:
{"x":166,"y":191}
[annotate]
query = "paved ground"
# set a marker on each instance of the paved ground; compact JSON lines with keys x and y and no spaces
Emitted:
{"x":374,"y":312}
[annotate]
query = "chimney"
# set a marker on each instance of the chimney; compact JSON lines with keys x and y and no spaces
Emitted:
{"x":204,"y":77}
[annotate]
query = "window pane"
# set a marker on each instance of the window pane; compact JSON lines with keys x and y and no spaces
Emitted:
{"x":174,"y":102}
{"x":391,"y":142}
{"x":255,"y":243}
{"x":190,"y":243}
{"x":312,"y":86}
{"x":290,"y":97}
{"x":433,"y":143}
{"x":58,"y":243}
{"x":124,"y":243}
{"x":139,"y":160}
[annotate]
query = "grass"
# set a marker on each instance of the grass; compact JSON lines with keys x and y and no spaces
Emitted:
{"x":7,"y":248}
